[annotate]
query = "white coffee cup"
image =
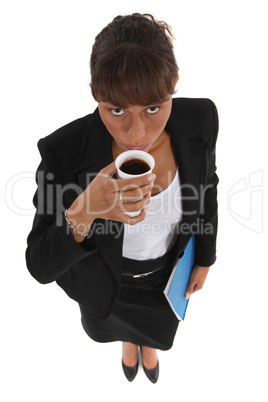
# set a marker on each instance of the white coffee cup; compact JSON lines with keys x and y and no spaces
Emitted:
{"x":133,"y":154}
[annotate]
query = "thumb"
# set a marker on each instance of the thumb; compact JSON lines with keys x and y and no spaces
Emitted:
{"x":109,"y":170}
{"x":189,"y":290}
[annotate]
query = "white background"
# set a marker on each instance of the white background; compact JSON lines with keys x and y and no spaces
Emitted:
{"x":220,"y":351}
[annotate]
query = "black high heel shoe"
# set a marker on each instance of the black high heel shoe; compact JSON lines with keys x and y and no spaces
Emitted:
{"x":152,"y":374}
{"x":130,"y":372}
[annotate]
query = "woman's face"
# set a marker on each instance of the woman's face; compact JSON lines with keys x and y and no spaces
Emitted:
{"x":136,"y":127}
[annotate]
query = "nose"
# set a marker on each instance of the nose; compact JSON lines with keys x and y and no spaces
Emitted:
{"x":137,"y":128}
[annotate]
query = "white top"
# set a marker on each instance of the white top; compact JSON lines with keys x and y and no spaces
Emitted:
{"x":152,"y":237}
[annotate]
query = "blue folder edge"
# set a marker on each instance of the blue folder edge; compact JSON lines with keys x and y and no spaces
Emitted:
{"x":178,"y":281}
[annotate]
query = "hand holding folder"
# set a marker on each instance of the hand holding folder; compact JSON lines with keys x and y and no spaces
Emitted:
{"x":178,"y":281}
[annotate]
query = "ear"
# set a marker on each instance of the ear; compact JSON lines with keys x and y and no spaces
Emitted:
{"x":175,"y":84}
{"x":90,"y":84}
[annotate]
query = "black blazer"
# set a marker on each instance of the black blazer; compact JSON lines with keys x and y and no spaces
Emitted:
{"x":90,"y":272}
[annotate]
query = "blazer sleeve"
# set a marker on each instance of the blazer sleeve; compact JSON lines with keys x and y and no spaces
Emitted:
{"x":51,"y":248}
{"x":205,"y":241}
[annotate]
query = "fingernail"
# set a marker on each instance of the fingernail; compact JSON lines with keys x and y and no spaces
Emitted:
{"x":151,"y":177}
{"x":187,"y":295}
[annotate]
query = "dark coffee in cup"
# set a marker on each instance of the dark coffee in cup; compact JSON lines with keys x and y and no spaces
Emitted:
{"x":135,"y":166}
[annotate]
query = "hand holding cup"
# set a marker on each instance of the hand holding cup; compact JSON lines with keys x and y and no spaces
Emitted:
{"x":133,"y":164}
{"x":123,"y":200}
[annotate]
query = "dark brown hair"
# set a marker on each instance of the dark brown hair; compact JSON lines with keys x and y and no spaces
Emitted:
{"x":132,"y":62}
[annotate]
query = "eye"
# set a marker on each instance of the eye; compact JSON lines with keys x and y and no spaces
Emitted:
{"x":153,"y":109}
{"x":117,"y":111}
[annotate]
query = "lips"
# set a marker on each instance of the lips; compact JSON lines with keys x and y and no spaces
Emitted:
{"x":137,"y":147}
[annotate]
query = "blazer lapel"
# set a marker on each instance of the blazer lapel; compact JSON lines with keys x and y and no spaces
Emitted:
{"x":191,"y":152}
{"x":96,"y":153}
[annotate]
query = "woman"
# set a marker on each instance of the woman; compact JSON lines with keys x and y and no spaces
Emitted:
{"x":114,"y":265}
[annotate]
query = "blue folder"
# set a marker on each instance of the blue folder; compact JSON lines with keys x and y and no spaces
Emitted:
{"x":178,"y":281}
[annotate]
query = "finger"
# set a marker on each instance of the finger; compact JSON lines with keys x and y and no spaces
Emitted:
{"x":194,"y":287}
{"x":197,"y":287}
{"x":136,"y":194}
{"x":187,"y":295}
{"x":130,"y":184}
{"x":135,"y":219}
{"x":109,"y":170}
{"x":189,"y":290}
{"x":134,"y":206}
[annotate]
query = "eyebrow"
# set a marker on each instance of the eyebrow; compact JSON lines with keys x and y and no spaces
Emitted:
{"x":157,"y":102}
{"x":148,"y":104}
